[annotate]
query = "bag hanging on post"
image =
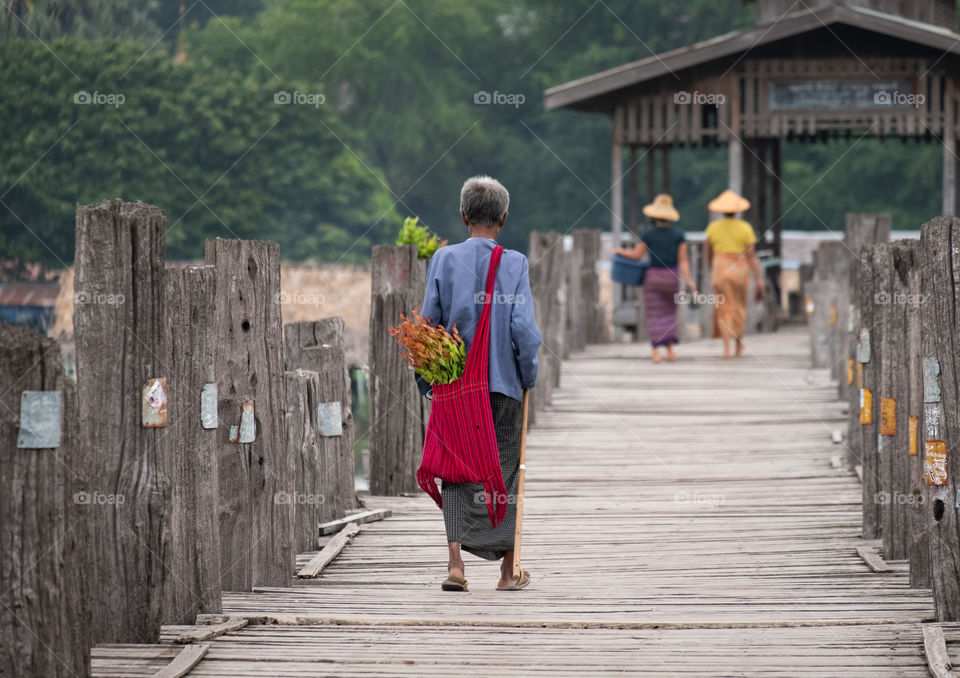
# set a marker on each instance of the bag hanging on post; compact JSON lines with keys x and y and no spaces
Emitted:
{"x":460,"y":445}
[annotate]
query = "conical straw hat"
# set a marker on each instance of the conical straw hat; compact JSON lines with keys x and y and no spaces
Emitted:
{"x":729,"y":202}
{"x":662,"y":208}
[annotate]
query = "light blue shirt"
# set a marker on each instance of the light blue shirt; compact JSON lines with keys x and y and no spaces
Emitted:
{"x":455,"y":285}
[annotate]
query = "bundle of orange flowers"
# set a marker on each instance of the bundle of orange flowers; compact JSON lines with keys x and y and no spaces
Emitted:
{"x":435,"y":354}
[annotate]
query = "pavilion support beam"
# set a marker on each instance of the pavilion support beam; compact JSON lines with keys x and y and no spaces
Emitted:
{"x":633,"y":201}
{"x":776,"y":197}
{"x":949,"y":174}
{"x":665,"y":169}
{"x":651,"y":174}
{"x":616,"y":177}
{"x":735,"y":165}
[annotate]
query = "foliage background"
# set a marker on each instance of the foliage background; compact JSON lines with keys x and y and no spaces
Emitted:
{"x":199,"y":133}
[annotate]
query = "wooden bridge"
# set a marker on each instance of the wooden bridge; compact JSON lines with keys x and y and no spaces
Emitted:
{"x":693,"y":518}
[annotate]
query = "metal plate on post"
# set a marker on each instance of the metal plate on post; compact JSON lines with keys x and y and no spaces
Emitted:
{"x":863,"y":346}
{"x":154,"y":404}
{"x":931,"y":388}
{"x":40,"y":419}
{"x":248,"y":425}
{"x":330,"y":419}
{"x":208,"y":406}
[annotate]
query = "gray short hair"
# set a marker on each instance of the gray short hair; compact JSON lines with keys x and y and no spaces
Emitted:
{"x":484,"y":200}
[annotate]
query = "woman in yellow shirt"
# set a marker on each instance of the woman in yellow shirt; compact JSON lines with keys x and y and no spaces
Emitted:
{"x":732,"y":254}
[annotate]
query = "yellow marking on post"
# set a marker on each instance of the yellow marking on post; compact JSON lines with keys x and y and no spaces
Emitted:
{"x":935,"y":462}
{"x":866,"y":406}
{"x":808,"y":306}
{"x":912,"y":436}
{"x":888,"y":417}
{"x":849,"y":371}
{"x":833,"y":315}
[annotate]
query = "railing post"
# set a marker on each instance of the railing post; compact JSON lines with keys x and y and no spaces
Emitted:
{"x":546,"y":283}
{"x":868,"y":361}
{"x":939,"y":259}
{"x":588,"y":242}
{"x":43,"y":617}
{"x":256,"y":528}
{"x":318,"y":347}
{"x":189,"y":447}
{"x":398,"y":414}
{"x":119,"y":325}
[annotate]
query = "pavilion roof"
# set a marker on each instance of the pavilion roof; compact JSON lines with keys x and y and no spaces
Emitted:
{"x":589,"y":93}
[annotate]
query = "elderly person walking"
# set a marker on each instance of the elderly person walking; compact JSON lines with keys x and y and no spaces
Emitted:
{"x":667,"y":247}
{"x":455,"y":291}
{"x":732,"y":255}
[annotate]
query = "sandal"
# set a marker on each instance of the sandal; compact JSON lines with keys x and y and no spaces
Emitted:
{"x":522,"y":583}
{"x":454,"y":585}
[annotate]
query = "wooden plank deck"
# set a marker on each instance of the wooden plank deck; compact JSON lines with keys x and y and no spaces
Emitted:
{"x":681,"y":519}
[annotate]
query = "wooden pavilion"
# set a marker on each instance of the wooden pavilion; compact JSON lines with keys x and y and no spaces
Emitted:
{"x":809,"y":70}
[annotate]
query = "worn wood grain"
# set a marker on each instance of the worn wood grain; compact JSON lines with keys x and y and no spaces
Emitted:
{"x":182,"y":664}
{"x":256,"y":530}
{"x":871,"y":334}
{"x":935,"y":649}
{"x":588,"y":242}
{"x":118,"y":328}
{"x":190,"y":450}
{"x":940,"y":267}
{"x":398,"y":413}
{"x":43,"y":612}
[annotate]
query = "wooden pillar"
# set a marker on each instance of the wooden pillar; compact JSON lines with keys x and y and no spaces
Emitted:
{"x":910,"y":418}
{"x":575,"y":312}
{"x":318,"y":346}
{"x":118,"y":326}
{"x":397,"y":412}
{"x":588,"y":242}
{"x":43,"y":616}
{"x":860,"y":230}
{"x":896,"y":269}
{"x":776,"y":197}
{"x":633,"y":202}
{"x":312,"y":467}
{"x":735,"y":165}
{"x":869,"y":363}
{"x":939,"y":258}
{"x":651,"y":173}
{"x":256,"y":528}
{"x":665,"y":169}
{"x":762,"y":223}
{"x":546,"y":280}
{"x":616,"y":177}
{"x":190,"y":445}
{"x":949,"y":152}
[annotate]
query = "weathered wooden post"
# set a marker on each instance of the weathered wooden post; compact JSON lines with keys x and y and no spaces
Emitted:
{"x":575,"y":332}
{"x":894,"y":267}
{"x":830,"y":276}
{"x":397,"y":411}
{"x":42,"y":615}
{"x":311,"y":467}
{"x":861,"y":229}
{"x":256,"y":471}
{"x":190,"y":445}
{"x":118,"y":325}
{"x":939,"y":260}
{"x":918,"y":546}
{"x":588,"y":242}
{"x":868,"y":366}
{"x":318,"y":346}
{"x":546,"y":283}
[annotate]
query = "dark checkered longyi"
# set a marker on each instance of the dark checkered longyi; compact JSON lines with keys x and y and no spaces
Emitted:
{"x":464,"y":508}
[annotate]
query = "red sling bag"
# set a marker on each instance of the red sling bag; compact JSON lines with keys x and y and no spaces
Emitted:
{"x":460,"y":445}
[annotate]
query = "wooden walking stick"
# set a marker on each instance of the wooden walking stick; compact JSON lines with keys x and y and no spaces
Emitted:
{"x":523,"y":473}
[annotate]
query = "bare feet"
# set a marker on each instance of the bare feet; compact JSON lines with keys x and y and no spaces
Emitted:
{"x":507,"y":581}
{"x":726,"y":348}
{"x":739,"y":346}
{"x":671,"y":356}
{"x":655,"y":356}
